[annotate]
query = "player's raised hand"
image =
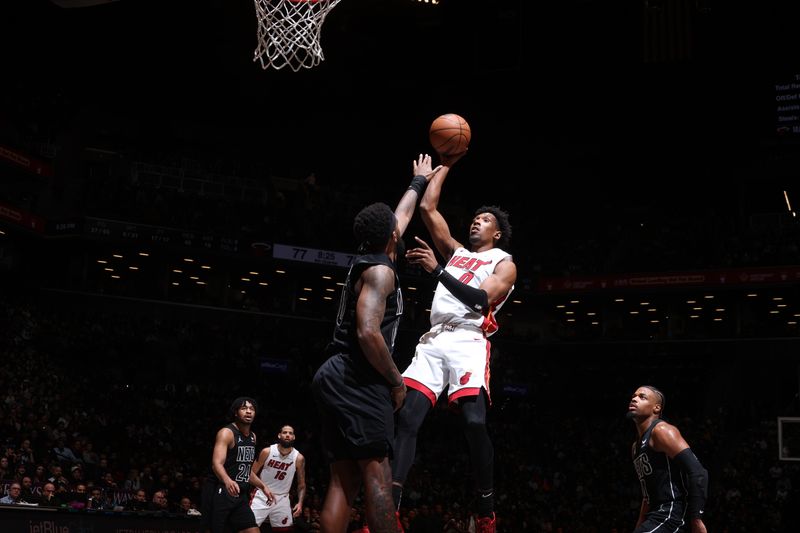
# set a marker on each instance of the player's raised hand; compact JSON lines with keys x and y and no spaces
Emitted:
{"x":422,"y":255}
{"x":423,"y":166}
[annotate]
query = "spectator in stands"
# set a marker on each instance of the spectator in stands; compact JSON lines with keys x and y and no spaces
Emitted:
{"x":194,"y":490}
{"x":90,"y":456}
{"x":102,"y":464}
{"x":79,"y":498}
{"x":49,"y":498}
{"x":107,"y":482}
{"x":132,"y":482}
{"x":5,"y":469}
{"x":39,"y":475}
{"x":184,"y":506}
{"x":63,"y":453}
{"x":20,"y":473}
{"x":98,"y":500}
{"x":146,"y":479}
{"x":138,"y":502}
{"x":57,"y":477}
{"x":163,"y":482}
{"x":13,"y":494}
{"x":10,"y":454}
{"x":76,"y":474}
{"x":26,"y":495}
{"x":25,"y":453}
{"x":159,"y":503}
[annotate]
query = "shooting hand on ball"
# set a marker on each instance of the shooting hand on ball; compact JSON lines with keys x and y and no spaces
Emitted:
{"x":448,"y":160}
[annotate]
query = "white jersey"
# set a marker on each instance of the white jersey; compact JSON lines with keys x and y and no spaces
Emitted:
{"x":471,"y":268}
{"x":279,"y":469}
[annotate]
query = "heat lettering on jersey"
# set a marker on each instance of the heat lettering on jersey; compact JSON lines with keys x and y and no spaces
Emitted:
{"x":279,"y":465}
{"x":467,"y":263}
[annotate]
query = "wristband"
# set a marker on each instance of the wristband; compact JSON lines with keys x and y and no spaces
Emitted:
{"x":418,"y":184}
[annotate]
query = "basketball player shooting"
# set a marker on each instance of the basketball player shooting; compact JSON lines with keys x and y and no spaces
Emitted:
{"x":455,"y":352}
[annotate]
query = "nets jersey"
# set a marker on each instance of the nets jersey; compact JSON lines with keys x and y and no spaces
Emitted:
{"x":659,"y":477}
{"x":279,"y":469}
{"x":345,"y":334}
{"x":240,"y":458}
{"x":471,"y":268}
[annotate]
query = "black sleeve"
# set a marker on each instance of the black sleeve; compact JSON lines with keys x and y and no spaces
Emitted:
{"x":475,"y":299}
{"x":698,"y":482}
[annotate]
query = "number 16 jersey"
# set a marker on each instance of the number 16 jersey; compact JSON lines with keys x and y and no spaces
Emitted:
{"x":278,"y":471}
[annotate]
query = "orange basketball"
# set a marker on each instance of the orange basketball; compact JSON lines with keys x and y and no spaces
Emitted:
{"x":450,"y":134}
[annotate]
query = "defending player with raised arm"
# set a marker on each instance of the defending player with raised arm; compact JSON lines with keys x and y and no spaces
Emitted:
{"x":277,"y":466}
{"x":358,"y":388}
{"x":673,"y":482}
{"x":226,"y":492}
{"x":455,"y":353}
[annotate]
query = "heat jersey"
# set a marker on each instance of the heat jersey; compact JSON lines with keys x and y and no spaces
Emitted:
{"x":279,"y":470}
{"x":471,"y":268}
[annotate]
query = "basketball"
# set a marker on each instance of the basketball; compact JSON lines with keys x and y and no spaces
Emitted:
{"x":450,"y":134}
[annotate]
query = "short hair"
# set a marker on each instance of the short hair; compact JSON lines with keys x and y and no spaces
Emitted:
{"x":373,"y":226}
{"x":661,"y":398}
{"x":238,"y":403}
{"x":502,"y":222}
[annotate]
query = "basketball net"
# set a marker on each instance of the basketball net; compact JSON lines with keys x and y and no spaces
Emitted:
{"x":289,"y":32}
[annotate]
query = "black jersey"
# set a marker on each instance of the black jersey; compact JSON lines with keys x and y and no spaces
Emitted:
{"x":659,"y":476}
{"x":355,"y":399}
{"x":240,"y":458}
{"x":345,"y":339}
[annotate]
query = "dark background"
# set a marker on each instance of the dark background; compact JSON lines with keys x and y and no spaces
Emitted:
{"x":556,"y":94}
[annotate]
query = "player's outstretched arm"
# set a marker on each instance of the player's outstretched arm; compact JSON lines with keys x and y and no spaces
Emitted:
{"x":429,"y":209}
{"x":423,"y":172}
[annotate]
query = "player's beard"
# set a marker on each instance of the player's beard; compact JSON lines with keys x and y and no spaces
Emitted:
{"x":630,"y":415}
